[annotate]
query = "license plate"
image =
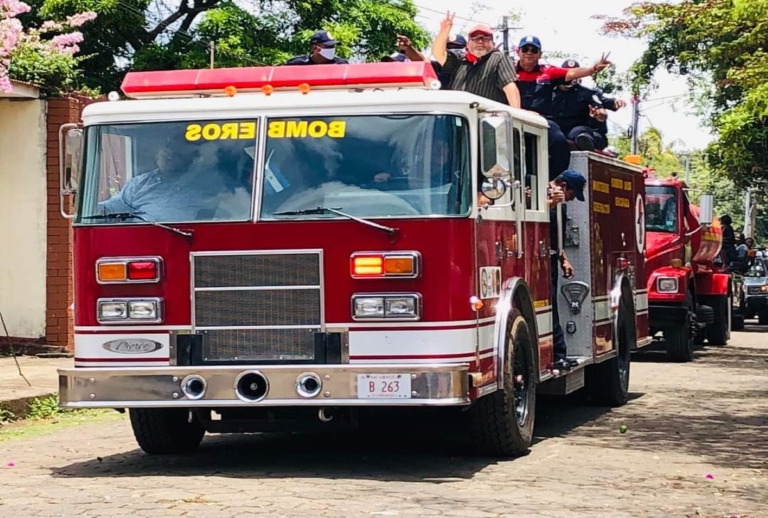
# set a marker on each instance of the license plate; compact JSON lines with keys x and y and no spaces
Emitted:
{"x":384,"y":386}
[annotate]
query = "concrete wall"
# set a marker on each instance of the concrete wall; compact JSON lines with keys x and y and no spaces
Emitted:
{"x":23,"y":217}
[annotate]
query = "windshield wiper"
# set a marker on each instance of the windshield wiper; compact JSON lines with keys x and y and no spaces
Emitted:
{"x":323,"y":210}
{"x":138,"y":215}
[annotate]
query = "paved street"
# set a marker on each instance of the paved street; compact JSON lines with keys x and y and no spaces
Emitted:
{"x":696,"y":445}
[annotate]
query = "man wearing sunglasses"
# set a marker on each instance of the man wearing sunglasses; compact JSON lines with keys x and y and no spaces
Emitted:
{"x":537,"y":84}
{"x":481,"y":70}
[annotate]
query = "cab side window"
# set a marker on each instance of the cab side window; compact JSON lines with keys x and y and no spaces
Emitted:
{"x":532,"y":170}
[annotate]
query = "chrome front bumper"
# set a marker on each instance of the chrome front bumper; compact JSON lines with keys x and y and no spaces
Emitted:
{"x":146,"y":387}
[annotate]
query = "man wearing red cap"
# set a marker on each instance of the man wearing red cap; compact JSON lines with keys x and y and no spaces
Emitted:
{"x":482,"y":70}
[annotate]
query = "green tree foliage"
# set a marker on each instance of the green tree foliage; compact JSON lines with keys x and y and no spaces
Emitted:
{"x":720,"y":45}
{"x":155,"y":34}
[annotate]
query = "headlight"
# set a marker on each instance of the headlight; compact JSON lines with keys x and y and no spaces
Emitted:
{"x":117,"y":310}
{"x":129,"y":311}
{"x":666,"y":284}
{"x":390,"y":307}
{"x":142,"y":309}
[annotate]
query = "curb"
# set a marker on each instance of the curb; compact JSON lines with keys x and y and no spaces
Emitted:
{"x":20,"y":406}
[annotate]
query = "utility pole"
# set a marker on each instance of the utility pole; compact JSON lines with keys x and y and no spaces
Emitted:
{"x":505,"y":28}
{"x":750,"y":213}
{"x":687,"y":157}
{"x":635,"y":125}
{"x":505,"y":33}
{"x":211,"y":48}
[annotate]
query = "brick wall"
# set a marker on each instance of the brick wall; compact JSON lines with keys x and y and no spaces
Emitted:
{"x":59,"y":288}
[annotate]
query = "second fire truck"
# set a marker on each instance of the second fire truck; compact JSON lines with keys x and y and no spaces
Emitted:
{"x":270,"y":248}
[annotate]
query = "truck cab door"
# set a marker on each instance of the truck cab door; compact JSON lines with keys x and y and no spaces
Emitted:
{"x":498,"y":236}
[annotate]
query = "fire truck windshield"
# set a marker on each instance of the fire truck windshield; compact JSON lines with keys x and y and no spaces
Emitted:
{"x":661,"y":209}
{"x":369,"y":166}
{"x":171,"y":172}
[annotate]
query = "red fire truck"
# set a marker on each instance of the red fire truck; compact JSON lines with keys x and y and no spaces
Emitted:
{"x":286,"y":247}
{"x":689,"y":289}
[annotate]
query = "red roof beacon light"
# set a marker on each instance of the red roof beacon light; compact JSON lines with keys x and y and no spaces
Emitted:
{"x":221,"y":81}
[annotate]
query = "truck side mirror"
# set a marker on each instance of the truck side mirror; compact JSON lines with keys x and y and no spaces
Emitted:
{"x":707,"y":209}
{"x":71,"y":157}
{"x":494,"y":146}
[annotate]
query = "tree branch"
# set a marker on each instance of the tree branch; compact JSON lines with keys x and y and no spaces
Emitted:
{"x":183,"y":10}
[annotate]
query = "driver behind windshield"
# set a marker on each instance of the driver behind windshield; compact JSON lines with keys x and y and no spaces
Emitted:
{"x":440,"y":161}
{"x":180,"y":189}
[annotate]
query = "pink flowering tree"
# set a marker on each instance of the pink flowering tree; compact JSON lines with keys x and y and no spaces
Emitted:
{"x":44,"y":56}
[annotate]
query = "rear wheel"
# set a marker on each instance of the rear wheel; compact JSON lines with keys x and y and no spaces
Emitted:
{"x":608,"y":382}
{"x":502,"y":423}
{"x":164,"y":431}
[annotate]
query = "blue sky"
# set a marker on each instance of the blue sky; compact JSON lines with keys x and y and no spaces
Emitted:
{"x":568,"y":27}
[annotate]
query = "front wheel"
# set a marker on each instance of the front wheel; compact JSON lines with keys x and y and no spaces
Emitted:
{"x":501,"y":423}
{"x":680,"y":339}
{"x":719,"y":331}
{"x":164,"y":431}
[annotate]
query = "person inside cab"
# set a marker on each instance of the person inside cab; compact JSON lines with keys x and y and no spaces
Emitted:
{"x":322,"y":51}
{"x":181,"y":188}
{"x":580,"y":112}
{"x":567,"y":186}
{"x":537,"y":83}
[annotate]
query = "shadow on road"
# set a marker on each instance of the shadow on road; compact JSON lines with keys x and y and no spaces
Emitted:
{"x":413,"y":455}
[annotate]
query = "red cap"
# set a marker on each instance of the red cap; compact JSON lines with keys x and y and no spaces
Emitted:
{"x":481,"y":29}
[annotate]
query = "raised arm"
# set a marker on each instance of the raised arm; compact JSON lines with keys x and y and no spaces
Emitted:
{"x":578,"y":73}
{"x":406,"y":47}
{"x":440,"y":45}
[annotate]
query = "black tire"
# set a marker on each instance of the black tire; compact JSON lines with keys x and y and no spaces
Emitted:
{"x":762,"y":317}
{"x":737,"y":320}
{"x":501,"y":423}
{"x":608,"y":382}
{"x":719,"y":331}
{"x":165,"y":431}
{"x":680,"y":339}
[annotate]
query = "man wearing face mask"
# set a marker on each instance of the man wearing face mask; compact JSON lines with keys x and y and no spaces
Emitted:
{"x":580,"y":112}
{"x":322,"y":52}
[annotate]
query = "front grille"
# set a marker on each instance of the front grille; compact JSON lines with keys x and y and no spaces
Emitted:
{"x":261,"y":306}
{"x":754,"y":290}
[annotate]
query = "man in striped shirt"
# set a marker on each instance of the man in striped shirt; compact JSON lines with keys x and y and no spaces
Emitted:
{"x":481,"y":70}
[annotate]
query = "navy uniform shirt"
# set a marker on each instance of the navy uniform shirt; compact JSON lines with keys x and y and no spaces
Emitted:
{"x":306,"y":60}
{"x":570,"y":108}
{"x":537,"y":87}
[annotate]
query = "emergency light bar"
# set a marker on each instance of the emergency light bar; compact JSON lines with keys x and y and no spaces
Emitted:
{"x":216,"y":81}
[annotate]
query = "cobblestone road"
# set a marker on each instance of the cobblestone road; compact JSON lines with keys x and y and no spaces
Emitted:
{"x":697,"y":445}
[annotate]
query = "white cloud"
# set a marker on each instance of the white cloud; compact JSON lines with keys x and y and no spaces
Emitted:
{"x":569,"y":27}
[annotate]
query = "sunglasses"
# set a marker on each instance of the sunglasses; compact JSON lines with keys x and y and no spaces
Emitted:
{"x":529,"y":49}
{"x":481,"y":39}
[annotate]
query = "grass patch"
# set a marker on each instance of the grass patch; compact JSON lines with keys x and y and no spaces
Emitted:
{"x":45,"y":416}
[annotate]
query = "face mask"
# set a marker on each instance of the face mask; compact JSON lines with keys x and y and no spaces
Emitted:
{"x":328,"y":54}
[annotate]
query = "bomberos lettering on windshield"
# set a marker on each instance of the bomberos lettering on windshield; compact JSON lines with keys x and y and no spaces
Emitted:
{"x":225,"y":131}
{"x":304,"y":129}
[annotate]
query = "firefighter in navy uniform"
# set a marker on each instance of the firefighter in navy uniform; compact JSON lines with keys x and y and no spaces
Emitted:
{"x":537,"y":84}
{"x":322,"y":51}
{"x":580,"y":112}
{"x":571,"y":184}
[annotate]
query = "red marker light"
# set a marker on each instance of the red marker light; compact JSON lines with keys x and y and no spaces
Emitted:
{"x":142,"y":270}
